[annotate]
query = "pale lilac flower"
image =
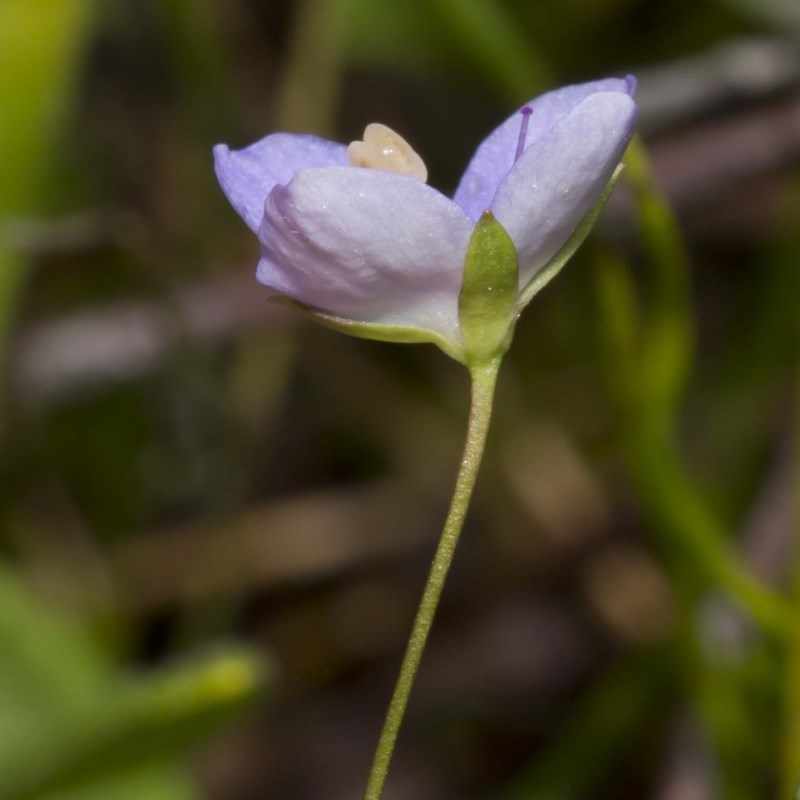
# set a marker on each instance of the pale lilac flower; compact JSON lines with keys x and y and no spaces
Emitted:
{"x":380,"y":249}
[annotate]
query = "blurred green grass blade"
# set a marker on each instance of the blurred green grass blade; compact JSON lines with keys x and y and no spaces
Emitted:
{"x":44,"y":660}
{"x":497,"y":45}
{"x":148,"y":783}
{"x":194,"y":48}
{"x":742,"y":728}
{"x":649,"y":390}
{"x":67,"y":719}
{"x":621,"y":326}
{"x":790,"y":766}
{"x":40,"y":42}
{"x":311,"y":89}
{"x":620,"y":706}
{"x":746,"y":383}
{"x":51,"y":682}
{"x":390,"y":33}
{"x":680,"y":514}
{"x":668,"y":340}
{"x":146,"y":724}
{"x":440,"y":36}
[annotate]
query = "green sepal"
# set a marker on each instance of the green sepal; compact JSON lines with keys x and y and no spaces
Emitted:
{"x":381,"y":333}
{"x":554,"y":266}
{"x":487,"y":303}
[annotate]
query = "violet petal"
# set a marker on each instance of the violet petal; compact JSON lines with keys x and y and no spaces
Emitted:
{"x":366,"y":245}
{"x":495,"y":155}
{"x":247,"y":176}
{"x":558,"y":178}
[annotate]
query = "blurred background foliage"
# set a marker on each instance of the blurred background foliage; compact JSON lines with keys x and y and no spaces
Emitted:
{"x":196,"y":484}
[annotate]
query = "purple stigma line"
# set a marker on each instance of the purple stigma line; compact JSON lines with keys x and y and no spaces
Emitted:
{"x":523,"y":131}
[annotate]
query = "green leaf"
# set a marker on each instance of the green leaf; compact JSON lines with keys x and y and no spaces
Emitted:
{"x":487,"y":304}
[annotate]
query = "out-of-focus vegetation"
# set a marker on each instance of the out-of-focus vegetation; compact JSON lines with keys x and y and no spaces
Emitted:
{"x":185,"y":466}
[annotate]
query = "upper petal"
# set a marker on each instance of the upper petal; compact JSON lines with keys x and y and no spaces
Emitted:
{"x":495,"y":155}
{"x":559,"y":177}
{"x":247,"y":176}
{"x":366,"y":245}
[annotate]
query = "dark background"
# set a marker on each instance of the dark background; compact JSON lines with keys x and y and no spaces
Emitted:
{"x":185,"y":466}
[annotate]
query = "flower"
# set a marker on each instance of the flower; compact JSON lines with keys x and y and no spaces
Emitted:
{"x":356,"y":237}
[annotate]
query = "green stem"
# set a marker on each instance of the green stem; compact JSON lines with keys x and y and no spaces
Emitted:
{"x":484,"y":378}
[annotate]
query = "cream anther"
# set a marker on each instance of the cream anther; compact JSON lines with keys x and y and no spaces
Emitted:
{"x":384,"y":149}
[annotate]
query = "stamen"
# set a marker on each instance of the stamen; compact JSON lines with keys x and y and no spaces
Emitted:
{"x":523,"y":131}
{"x":384,"y":149}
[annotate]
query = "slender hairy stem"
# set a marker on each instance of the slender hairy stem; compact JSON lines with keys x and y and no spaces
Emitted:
{"x":483,"y":383}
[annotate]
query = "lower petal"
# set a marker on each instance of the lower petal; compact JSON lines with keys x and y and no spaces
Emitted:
{"x":366,"y":245}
